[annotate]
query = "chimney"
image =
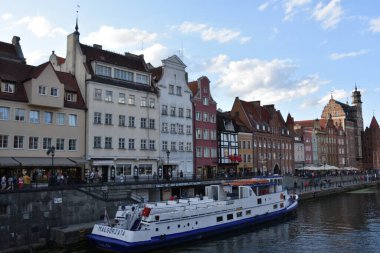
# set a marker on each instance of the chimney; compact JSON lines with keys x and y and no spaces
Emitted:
{"x":16,"y":43}
{"x":97,"y":46}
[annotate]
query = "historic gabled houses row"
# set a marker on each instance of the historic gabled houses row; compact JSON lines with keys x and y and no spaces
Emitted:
{"x":118,"y":117}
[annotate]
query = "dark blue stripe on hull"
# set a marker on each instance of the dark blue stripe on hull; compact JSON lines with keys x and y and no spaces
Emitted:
{"x":158,"y":242}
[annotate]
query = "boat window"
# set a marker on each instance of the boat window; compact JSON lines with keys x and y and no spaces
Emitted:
{"x":168,"y":227}
{"x":239,"y":214}
{"x":179,"y":225}
{"x":230,"y":216}
{"x":157,"y":217}
{"x":259,"y":201}
{"x":248,"y":212}
{"x":219,"y":218}
{"x":281,"y":205}
{"x":156,"y":229}
{"x":196,"y":223}
{"x":275,"y":206}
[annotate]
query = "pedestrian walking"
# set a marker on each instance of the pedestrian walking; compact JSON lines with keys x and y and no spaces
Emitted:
{"x":3,"y":182}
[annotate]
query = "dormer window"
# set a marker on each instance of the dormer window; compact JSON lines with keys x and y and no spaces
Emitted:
{"x":257,"y":126}
{"x":123,"y":75}
{"x":8,"y":87}
{"x":141,"y":78}
{"x":103,"y":70}
{"x":205,"y":101}
{"x":71,"y":97}
{"x":42,"y":90}
{"x":54,"y":92}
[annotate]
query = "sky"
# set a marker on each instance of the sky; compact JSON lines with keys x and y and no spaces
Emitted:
{"x":295,"y":54}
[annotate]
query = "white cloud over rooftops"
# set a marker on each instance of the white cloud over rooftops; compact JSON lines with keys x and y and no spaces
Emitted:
{"x":329,"y":15}
{"x":40,"y":26}
{"x":268,"y":81}
{"x":208,"y":33}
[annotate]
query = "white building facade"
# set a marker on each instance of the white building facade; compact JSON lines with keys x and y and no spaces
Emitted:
{"x":176,"y":119}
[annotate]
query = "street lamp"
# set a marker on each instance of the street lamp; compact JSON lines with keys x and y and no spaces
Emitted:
{"x":51,"y":151}
{"x":167,"y":155}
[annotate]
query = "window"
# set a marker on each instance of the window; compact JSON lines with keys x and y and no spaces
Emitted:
{"x":3,"y":141}
{"x":143,"y":123}
{"x":131,"y":144}
{"x":152,"y":145}
{"x":172,"y":128}
{"x":188,"y":146}
{"x":172,"y":111}
{"x":72,"y":97}
{"x":121,"y":120}
{"x":212,"y":118}
{"x":34,"y":116}
{"x":60,"y":144}
{"x":46,"y":143}
{"x":4,"y":113}
{"x":48,"y":117}
{"x":199,"y":151}
{"x":72,"y":144}
{"x":188,"y":129}
{"x":230,"y":216}
{"x":102,"y":70}
{"x":143,"y":144}
{"x":141,"y":79}
{"x":259,"y":201}
{"x":213,"y":135}
{"x":108,"y":119}
{"x":205,"y":134}
{"x":180,"y":112}
{"x":123,"y":75}
{"x":213,"y":153}
{"x":151,"y":123}
{"x":42,"y":90}
{"x":188,"y":113}
{"x":164,"y":127}
{"x":121,"y":98}
{"x":219,"y":218}
{"x":248,"y":212}
{"x":198,"y":133}
{"x":18,"y":141}
{"x":205,"y":101}
{"x":121,"y":143}
{"x":8,"y":88}
{"x":73,"y":120}
{"x":33,"y":143}
{"x":131,"y":121}
{"x":198,"y":116}
{"x":97,"y":118}
{"x":19,"y":114}
{"x":108,"y":142}
{"x":98,"y":94}
{"x":54,"y":92}
{"x":180,"y":146}
{"x":146,"y":169}
{"x":108,"y":97}
{"x":173,"y":146}
{"x":143,"y":102}
{"x":205,"y":117}
{"x":152,"y":102}
{"x":180,"y":129}
{"x":131,"y":100}
{"x":171,"y":89}
{"x":164,"y":145}
{"x":179,"y":91}
{"x":97,"y":142}
{"x":206,"y":152}
{"x":164,"y":110}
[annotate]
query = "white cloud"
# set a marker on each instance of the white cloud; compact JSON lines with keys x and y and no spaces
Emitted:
{"x":268,"y":81}
{"x":263,"y":6}
{"x":339,"y":95}
{"x":340,"y":56}
{"x":377,"y":89}
{"x":40,"y":26}
{"x":207,"y":33}
{"x":154,"y":54}
{"x":6,"y":16}
{"x":115,"y":38}
{"x":36,"y":57}
{"x":374,"y":25}
{"x":291,"y":7}
{"x":330,"y":14}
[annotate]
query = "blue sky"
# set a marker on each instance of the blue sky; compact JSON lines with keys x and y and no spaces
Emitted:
{"x":291,"y":53}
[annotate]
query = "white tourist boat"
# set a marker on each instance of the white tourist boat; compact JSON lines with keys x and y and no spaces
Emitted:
{"x":224,"y":207}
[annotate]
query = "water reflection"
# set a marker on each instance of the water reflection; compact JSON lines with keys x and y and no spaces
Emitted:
{"x":348,"y":222}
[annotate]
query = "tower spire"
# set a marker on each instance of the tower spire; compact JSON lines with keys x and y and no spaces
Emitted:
{"x":76,"y":22}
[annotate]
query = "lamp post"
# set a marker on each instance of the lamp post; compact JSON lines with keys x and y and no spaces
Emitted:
{"x":167,"y":156}
{"x":51,"y":151}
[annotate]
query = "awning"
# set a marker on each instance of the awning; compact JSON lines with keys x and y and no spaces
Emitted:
{"x":103,"y":162}
{"x":45,"y":161}
{"x":8,"y":161}
{"x":77,"y":160}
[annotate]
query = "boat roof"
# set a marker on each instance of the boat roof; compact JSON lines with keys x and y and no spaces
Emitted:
{"x":251,"y":181}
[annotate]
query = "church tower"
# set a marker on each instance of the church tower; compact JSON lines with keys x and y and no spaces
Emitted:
{"x":358,"y":118}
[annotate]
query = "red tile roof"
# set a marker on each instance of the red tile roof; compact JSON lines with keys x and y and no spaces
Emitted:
{"x":8,"y":51}
{"x":193,"y":86}
{"x":374,"y":123}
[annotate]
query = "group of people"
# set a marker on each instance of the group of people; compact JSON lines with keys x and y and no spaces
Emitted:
{"x":14,"y":182}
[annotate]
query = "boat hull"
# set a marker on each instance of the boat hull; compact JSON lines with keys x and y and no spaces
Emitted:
{"x":116,"y":245}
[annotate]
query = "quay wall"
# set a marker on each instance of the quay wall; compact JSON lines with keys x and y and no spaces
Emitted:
{"x":29,"y":217}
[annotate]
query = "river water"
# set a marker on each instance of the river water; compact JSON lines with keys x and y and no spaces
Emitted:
{"x":347,"y":222}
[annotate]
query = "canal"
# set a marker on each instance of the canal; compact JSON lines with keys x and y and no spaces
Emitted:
{"x":347,"y":222}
